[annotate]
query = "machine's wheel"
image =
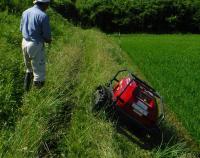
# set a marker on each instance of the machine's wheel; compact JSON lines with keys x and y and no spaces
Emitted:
{"x":102,"y":98}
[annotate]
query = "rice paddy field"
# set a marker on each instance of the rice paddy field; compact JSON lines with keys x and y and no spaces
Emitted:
{"x":172,"y":65}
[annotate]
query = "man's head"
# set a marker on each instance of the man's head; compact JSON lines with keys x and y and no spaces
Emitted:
{"x":43,"y":4}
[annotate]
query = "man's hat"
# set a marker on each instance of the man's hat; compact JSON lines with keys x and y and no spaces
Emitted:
{"x":42,"y":1}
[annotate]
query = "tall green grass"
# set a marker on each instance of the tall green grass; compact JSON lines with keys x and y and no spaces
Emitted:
{"x":11,"y":71}
{"x":171,"y":64}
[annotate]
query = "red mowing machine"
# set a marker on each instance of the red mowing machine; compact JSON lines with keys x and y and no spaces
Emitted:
{"x":133,"y":98}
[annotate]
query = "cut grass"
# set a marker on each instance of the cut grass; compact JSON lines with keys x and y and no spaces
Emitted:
{"x":171,"y":64}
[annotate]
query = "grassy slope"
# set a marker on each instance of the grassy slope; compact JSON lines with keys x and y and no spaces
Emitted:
{"x":57,"y":120}
{"x":11,"y":73}
{"x":171,"y":63}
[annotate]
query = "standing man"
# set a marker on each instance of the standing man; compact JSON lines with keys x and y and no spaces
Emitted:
{"x":36,"y":31}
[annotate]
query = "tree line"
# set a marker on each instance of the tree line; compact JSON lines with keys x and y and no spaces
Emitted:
{"x":127,"y":16}
{"x":141,"y":15}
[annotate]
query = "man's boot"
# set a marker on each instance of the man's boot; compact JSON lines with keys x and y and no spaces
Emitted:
{"x":38,"y":84}
{"x":27,"y":81}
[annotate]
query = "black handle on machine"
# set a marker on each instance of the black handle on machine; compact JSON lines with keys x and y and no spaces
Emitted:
{"x":143,"y":83}
{"x":115,"y":79}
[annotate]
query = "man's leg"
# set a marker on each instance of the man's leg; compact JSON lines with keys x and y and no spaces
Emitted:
{"x":29,"y":72}
{"x":39,"y":70}
{"x":28,"y":81}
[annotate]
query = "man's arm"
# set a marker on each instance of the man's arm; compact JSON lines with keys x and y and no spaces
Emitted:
{"x":46,"y":30}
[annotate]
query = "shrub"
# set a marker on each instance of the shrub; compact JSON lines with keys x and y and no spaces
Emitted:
{"x":134,"y":16}
{"x":15,"y":6}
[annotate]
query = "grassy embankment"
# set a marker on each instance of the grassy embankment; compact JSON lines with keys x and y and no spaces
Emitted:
{"x":171,"y":64}
{"x":57,"y":120}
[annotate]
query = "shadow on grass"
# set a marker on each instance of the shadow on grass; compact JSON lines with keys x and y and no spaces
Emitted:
{"x":58,"y":123}
{"x":164,"y":136}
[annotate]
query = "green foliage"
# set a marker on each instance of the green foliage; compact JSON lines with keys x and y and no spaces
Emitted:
{"x":146,"y":15}
{"x":66,"y":8}
{"x":124,"y":15}
{"x":15,"y":6}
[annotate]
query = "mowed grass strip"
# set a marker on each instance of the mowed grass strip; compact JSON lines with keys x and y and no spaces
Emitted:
{"x":89,"y":135}
{"x":171,"y":64}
